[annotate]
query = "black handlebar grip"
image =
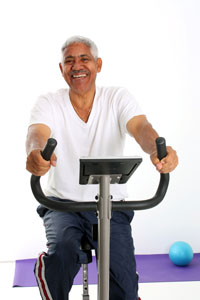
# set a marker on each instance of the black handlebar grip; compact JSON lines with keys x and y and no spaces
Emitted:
{"x":161,"y":147}
{"x":49,"y":148}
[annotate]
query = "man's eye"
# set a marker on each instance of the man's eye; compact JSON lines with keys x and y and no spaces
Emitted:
{"x":85,"y":59}
{"x":69,"y":61}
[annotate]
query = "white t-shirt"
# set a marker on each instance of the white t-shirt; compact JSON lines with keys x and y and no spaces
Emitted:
{"x":103,"y":135}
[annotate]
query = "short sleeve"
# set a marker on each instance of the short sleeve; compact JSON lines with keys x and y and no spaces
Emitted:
{"x":128,"y":107}
{"x":42,"y":112}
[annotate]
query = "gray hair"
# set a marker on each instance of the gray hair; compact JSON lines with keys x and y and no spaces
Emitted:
{"x":83,"y":40}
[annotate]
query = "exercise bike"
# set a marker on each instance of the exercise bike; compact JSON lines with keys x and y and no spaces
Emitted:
{"x":102,"y":171}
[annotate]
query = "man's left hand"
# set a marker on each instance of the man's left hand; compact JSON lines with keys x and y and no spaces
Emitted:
{"x":168,"y":163}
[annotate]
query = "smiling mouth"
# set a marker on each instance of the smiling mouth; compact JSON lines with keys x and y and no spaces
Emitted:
{"x":79,"y":74}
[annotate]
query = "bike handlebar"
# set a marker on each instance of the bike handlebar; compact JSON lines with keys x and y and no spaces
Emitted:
{"x":78,"y":206}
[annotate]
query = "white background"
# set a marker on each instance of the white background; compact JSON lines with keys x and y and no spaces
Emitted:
{"x":150,"y":47}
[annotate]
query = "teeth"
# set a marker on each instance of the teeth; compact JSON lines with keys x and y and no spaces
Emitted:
{"x":79,"y":76}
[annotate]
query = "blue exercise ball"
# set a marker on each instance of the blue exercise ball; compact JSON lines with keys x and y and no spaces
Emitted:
{"x":181,"y":253}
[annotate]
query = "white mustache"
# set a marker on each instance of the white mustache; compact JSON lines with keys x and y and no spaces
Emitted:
{"x":74,"y":72}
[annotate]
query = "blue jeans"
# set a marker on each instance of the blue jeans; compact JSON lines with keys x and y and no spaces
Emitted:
{"x":55,"y":271}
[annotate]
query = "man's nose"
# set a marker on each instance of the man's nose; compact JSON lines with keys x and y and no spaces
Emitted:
{"x":76,"y":65}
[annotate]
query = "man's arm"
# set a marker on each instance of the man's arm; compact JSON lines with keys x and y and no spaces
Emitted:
{"x":145,"y":135}
{"x":37,"y":137}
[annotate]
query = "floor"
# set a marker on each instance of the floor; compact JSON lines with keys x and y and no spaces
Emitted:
{"x":148,"y":291}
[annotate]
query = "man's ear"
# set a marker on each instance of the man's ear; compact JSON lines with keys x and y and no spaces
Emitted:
{"x":99,"y":64}
{"x":61,"y":68}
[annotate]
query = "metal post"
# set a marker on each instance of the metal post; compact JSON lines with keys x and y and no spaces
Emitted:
{"x":104,"y":215}
{"x":85,"y":282}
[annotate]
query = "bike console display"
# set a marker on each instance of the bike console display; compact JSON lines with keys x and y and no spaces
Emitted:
{"x":119,"y":169}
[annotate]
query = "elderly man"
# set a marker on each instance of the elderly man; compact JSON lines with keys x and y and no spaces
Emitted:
{"x":86,"y":121}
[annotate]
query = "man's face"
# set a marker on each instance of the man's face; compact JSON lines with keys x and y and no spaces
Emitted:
{"x":79,"y":68}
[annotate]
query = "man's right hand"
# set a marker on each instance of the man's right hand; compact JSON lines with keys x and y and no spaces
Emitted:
{"x":38,"y":166}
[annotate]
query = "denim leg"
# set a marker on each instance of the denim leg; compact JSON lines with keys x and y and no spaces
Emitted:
{"x":63,"y":260}
{"x":123,"y":276}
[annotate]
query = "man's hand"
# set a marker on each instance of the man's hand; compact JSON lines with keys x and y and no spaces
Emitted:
{"x":168,"y":163}
{"x":36,"y":165}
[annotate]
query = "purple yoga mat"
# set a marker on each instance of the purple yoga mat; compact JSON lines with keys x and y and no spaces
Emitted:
{"x":151,"y":268}
{"x":24,"y":273}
